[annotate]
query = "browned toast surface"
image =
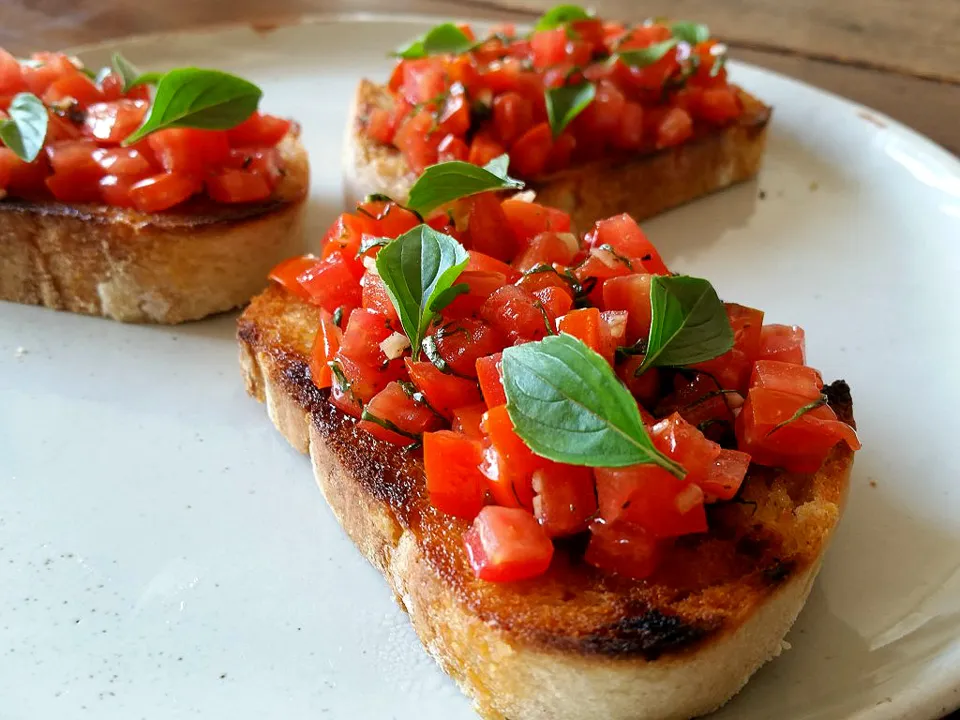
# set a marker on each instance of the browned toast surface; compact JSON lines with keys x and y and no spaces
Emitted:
{"x":641,"y":184}
{"x":708,"y":585}
{"x":198,"y":259}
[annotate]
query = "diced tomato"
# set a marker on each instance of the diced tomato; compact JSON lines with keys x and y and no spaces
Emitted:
{"x":454,"y":482}
{"x":623,"y":549}
{"x":395,"y":417}
{"x":646,"y":386}
{"x":452,"y":148}
{"x":527,"y":220}
{"x":583,"y":324}
{"x":454,"y":117}
{"x":287,"y":272}
{"x":485,"y":263}
{"x":516,"y":314}
{"x":46,"y":68}
{"x":481,"y":285}
{"x":461,"y":342}
{"x":549,"y":47}
{"x":490,"y":376}
{"x":601,"y":264}
{"x":701,"y":402}
{"x":75,"y":86}
{"x":325,"y":348}
{"x":489,"y":231}
{"x":508,"y":463}
{"x":548,"y":248}
{"x":467,"y":420}
{"x":652,"y":498}
{"x":484,"y":148}
{"x":725,"y":476}
{"x":422,"y":79}
{"x":629,"y":132}
{"x":417,"y":141}
{"x":555,"y":301}
{"x":188,"y":150}
{"x":361,"y":340}
{"x":684,"y":443}
{"x":507,"y":544}
{"x":529,"y":154}
{"x":380,"y":125}
{"x":444,"y":392}
{"x":624,"y":236}
{"x":76,"y":174}
{"x":632,"y":294}
{"x":237,"y":186}
{"x":768,"y":430}
{"x":718,"y":105}
{"x":332,"y":283}
{"x":259,"y":130}
{"x":374,"y":297}
{"x":512,"y":116}
{"x":785,"y":343}
{"x":113,"y":122}
{"x":25,"y":179}
{"x":115,"y":189}
{"x":345,"y":236}
{"x":124,"y":161}
{"x":798,"y":380}
{"x":674,"y":128}
{"x":565,"y":499}
{"x":386,"y":218}
{"x":613,"y":328}
{"x":163,"y":191}
{"x":561,"y":152}
{"x":732,"y":369}
{"x":11,"y":79}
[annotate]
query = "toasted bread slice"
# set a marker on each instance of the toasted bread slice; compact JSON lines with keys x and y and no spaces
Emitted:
{"x":184,"y":264}
{"x":642,"y":185}
{"x":574,"y":643}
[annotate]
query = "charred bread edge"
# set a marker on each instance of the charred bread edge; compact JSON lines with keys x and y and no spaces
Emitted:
{"x":167,"y":267}
{"x":641,"y":185}
{"x":677,"y":672}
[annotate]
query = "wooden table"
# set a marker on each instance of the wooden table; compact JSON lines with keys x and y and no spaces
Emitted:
{"x":902,"y":58}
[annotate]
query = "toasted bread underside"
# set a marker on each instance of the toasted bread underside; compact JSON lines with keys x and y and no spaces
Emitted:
{"x":642,"y":185}
{"x":185,"y":264}
{"x":575,"y":643}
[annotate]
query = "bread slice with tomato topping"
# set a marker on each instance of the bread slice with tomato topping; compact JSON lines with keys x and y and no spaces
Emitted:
{"x":107,"y":207}
{"x":598,"y":117}
{"x":166,"y":267}
{"x":574,"y":642}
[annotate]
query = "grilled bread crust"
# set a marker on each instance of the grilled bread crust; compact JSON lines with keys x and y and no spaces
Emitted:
{"x":575,"y":643}
{"x":642,"y":185}
{"x":198,"y":259}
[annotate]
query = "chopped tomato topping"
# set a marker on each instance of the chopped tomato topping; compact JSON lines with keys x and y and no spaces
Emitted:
{"x":782,"y":342}
{"x":444,"y":392}
{"x":565,"y":498}
{"x":451,"y":463}
{"x":490,"y":376}
{"x":506,"y":544}
{"x":325,"y":348}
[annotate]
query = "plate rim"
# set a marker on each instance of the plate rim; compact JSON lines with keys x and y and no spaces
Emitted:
{"x":938,"y":697}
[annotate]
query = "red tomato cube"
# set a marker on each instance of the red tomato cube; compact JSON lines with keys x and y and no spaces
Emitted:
{"x":454,"y":482}
{"x":507,"y":544}
{"x":565,"y":498}
{"x":444,"y":392}
{"x":623,"y":549}
{"x":784,"y":343}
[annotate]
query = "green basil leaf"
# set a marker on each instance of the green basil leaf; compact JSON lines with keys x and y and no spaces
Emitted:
{"x":690,"y":32}
{"x":440,"y":40}
{"x":128,"y":72}
{"x":445,"y":182}
{"x":26,"y":129}
{"x":567,"y":405}
{"x":442,"y":299}
{"x":689,"y":323}
{"x":648,"y":55}
{"x":719,"y":62}
{"x":561,"y":15}
{"x":369,"y":243}
{"x":565,"y":103}
{"x":197,"y":98}
{"x":418,"y":269}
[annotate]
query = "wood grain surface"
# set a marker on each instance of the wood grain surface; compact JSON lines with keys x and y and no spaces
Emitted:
{"x":900,"y":57}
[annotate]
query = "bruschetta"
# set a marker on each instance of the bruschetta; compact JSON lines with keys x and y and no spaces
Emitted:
{"x":126,"y":202}
{"x":597,"y":490}
{"x":598,"y":117}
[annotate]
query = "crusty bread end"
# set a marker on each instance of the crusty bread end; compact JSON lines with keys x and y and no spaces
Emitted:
{"x":169,"y":267}
{"x":641,"y":669}
{"x":642,"y":185}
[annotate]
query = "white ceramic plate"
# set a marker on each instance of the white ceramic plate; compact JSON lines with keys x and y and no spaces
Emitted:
{"x":165,"y":554}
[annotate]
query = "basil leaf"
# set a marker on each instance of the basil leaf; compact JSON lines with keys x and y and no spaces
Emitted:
{"x":719,"y":62}
{"x":565,"y":103}
{"x":567,"y":405}
{"x":689,"y":323}
{"x":419,"y":269}
{"x":197,"y":98}
{"x":690,"y":32}
{"x":440,"y":40}
{"x":26,"y":129}
{"x":561,"y":15}
{"x":369,"y":243}
{"x":445,"y":182}
{"x":128,"y":72}
{"x":648,"y":55}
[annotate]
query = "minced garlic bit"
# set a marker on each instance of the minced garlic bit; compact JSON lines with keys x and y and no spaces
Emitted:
{"x":371,"y":265}
{"x":394,"y":345}
{"x":527,"y":196}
